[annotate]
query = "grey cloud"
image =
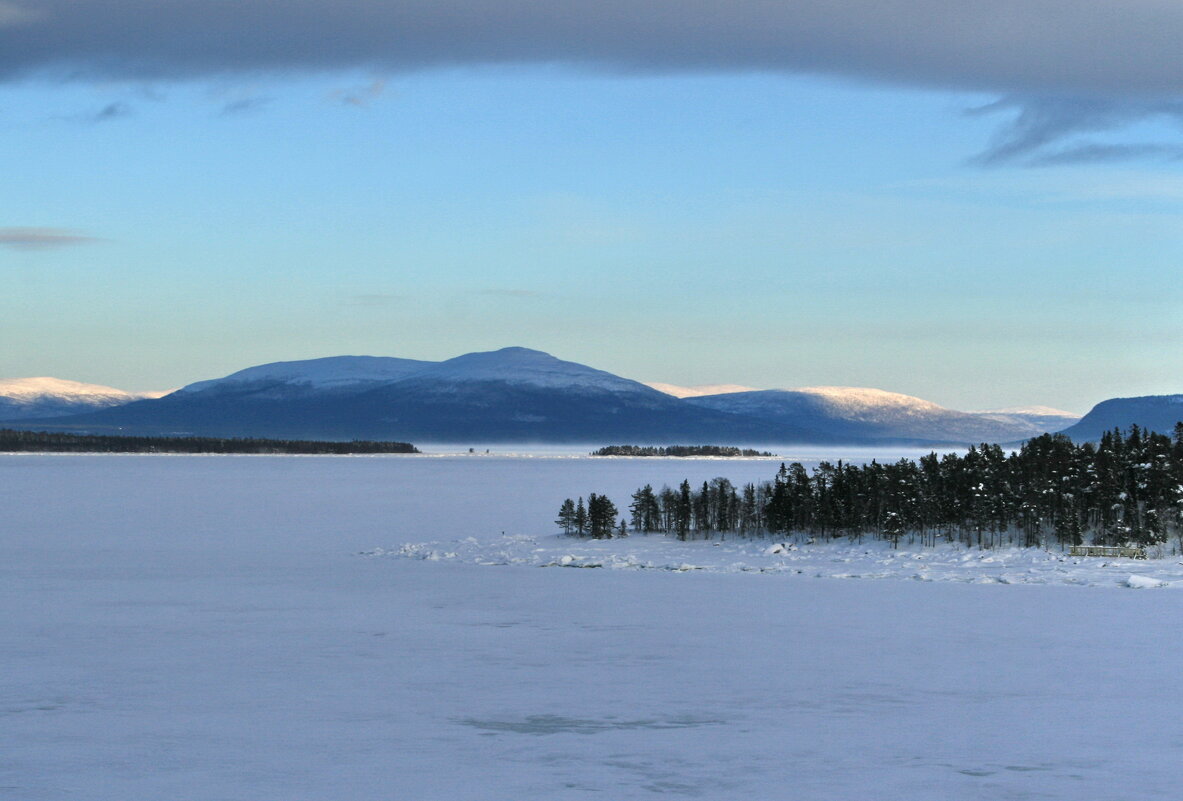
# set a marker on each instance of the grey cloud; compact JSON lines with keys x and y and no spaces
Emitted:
{"x":244,"y":105}
{"x":1040,"y":124}
{"x":41,"y":238}
{"x":1083,"y":66}
{"x":111,"y":111}
{"x":360,"y":96}
{"x":12,"y":14}
{"x":1034,"y":46}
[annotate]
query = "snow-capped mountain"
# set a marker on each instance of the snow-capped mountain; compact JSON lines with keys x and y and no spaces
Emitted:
{"x":331,"y":373}
{"x":532,"y":367}
{"x":695,"y":392}
{"x":42,"y":397}
{"x":1154,"y":412}
{"x":518,"y":395}
{"x":513,"y":394}
{"x":864,"y":413}
{"x":356,"y":373}
{"x":1040,"y":419}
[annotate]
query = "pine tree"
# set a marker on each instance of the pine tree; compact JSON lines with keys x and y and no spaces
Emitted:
{"x":566,"y":519}
{"x":580,"y":519}
{"x":683,"y":511}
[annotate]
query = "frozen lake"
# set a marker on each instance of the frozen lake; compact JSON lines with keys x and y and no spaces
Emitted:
{"x":205,"y":629}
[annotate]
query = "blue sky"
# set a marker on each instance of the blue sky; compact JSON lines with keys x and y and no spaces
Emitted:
{"x":690,"y":226}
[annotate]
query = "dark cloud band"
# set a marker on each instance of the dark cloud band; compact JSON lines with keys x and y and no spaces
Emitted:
{"x":1029,"y":46}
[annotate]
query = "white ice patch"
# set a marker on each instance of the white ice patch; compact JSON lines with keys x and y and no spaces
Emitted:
{"x":1137,"y":582}
{"x":870,"y":560}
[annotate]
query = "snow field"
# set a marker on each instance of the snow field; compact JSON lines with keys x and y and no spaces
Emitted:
{"x":839,"y":559}
{"x":198,"y":628}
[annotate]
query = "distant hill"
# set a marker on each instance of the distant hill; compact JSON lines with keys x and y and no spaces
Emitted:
{"x":694,"y":392}
{"x":1044,"y":419}
{"x":509,"y":395}
{"x":523,"y":395}
{"x":1154,"y":412}
{"x":869,"y":415}
{"x":41,"y":397}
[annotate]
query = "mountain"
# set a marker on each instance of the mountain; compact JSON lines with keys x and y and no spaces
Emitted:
{"x":1155,"y":412}
{"x":694,"y":392}
{"x":42,"y":397}
{"x":335,"y":373}
{"x":1041,"y":419}
{"x":509,"y":395}
{"x":522,"y":395}
{"x":869,"y":415}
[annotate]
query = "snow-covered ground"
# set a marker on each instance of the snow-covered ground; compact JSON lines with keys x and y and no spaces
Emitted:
{"x":835,"y":560}
{"x":211,"y":628}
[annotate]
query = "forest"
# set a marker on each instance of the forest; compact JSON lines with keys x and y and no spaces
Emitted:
{"x":1126,"y":489}
{"x":677,"y":450}
{"x":51,"y":442}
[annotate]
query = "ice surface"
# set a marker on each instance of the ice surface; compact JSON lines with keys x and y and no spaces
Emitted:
{"x":196,"y":628}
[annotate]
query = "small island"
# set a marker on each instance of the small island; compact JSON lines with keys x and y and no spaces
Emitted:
{"x":677,"y":450}
{"x":50,"y":442}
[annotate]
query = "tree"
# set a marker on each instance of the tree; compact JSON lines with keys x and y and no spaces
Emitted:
{"x":601,"y":515}
{"x":580,"y":519}
{"x":645,"y":510}
{"x":566,"y":519}
{"x":683,"y":511}
{"x":893,"y":528}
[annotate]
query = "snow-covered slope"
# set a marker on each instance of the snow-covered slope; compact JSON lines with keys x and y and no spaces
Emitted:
{"x":42,"y":396}
{"x":1042,"y":419}
{"x":873,"y":414}
{"x":357,"y":373}
{"x":518,"y":394}
{"x":872,"y":405}
{"x":1032,"y":411}
{"x":699,"y":391}
{"x":509,"y":395}
{"x":532,"y":367}
{"x":331,"y":373}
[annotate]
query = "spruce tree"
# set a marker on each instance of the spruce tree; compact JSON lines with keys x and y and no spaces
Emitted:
{"x":566,"y":519}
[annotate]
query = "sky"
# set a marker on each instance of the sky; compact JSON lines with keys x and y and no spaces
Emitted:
{"x":978,"y":204}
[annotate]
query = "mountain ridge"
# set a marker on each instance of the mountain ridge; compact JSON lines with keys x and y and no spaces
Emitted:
{"x":1154,"y":412}
{"x":520,"y":394}
{"x":41,"y":397}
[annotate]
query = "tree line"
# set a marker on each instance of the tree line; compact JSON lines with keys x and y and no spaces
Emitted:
{"x":1126,"y":489}
{"x":677,"y":450}
{"x":51,"y":442}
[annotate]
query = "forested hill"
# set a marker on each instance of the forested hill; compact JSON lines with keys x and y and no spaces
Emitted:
{"x":677,"y":450}
{"x":44,"y":442}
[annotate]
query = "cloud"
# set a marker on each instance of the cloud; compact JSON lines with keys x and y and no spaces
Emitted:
{"x":41,"y":238}
{"x":1034,"y":46}
{"x":360,"y":96}
{"x":1035,"y":135}
{"x":12,"y":15}
{"x":1081,"y":66}
{"x":244,"y":105}
{"x":111,"y":111}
